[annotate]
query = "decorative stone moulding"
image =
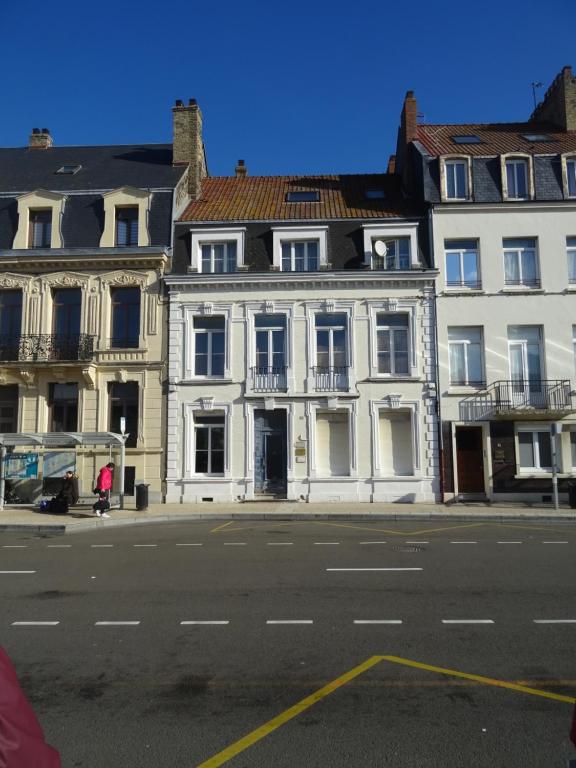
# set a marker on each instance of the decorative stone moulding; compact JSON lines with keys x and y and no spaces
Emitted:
{"x":206,"y":403}
{"x":13,"y":281}
{"x":332,"y":403}
{"x":269,"y":403}
{"x":328,"y":305}
{"x":393,"y":400}
{"x":207,"y":308}
{"x":268,"y":307}
{"x":390,"y":305}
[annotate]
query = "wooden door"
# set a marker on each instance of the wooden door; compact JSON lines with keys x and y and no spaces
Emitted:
{"x":470,"y":460}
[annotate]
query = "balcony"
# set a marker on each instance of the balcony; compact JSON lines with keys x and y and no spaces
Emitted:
{"x":331,"y":379}
{"x":534,"y":399}
{"x":268,"y":379}
{"x":46,"y":348}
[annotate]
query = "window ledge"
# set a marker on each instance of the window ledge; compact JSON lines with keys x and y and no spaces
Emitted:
{"x":521,"y":289}
{"x":383,"y":378}
{"x":396,"y":478}
{"x":541,"y":474}
{"x":463,"y":291}
{"x":465,"y":389}
{"x":570,"y":288}
{"x":205,"y":380}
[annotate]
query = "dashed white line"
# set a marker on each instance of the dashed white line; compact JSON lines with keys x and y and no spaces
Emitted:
{"x":58,"y":546}
{"x":416,"y":542}
{"x":510,"y":542}
{"x":377,"y":621}
{"x":101,"y":546}
{"x":554,"y":542}
{"x":234,"y":543}
{"x":373,"y":542}
{"x":14,"y":546}
{"x":280,"y":543}
{"x":189,"y":545}
{"x":116,"y":623}
{"x":144,"y":545}
{"x":289,"y":621}
{"x":554,"y":621}
{"x":35,"y":623}
{"x":463,"y":542}
{"x":374,"y":569}
{"x":204,"y":622}
{"x":17,"y":571}
{"x":326,"y":543}
{"x":467,"y":621}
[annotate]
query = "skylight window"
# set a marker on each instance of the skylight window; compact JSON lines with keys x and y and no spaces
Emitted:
{"x":467,"y":139}
{"x":312,"y":196}
{"x":69,"y":170}
{"x":375,"y":194}
{"x":537,"y":137}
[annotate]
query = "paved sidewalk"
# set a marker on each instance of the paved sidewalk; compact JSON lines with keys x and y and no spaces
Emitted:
{"x":29,"y":518}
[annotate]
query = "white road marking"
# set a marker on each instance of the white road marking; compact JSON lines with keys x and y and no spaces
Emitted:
{"x":326,"y":543}
{"x":14,"y":546}
{"x":189,"y":545}
{"x":144,"y":545}
{"x":463,"y":542}
{"x":204,"y":622}
{"x":373,"y":542}
{"x":377,"y":621}
{"x":416,"y":542}
{"x":35,"y":623}
{"x":554,"y":542}
{"x":289,"y":621}
{"x":374,"y":569}
{"x":280,"y":543}
{"x":510,"y":542}
{"x":234,"y":543}
{"x":101,"y":546}
{"x":467,"y":621}
{"x":554,"y":621}
{"x":116,"y":623}
{"x":17,"y":571}
{"x":58,"y":546}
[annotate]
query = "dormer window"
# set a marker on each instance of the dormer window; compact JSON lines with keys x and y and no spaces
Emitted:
{"x":517,"y":178}
{"x":571,"y":176}
{"x":127,"y":226}
{"x":456,"y":179}
{"x":391,"y":254}
{"x":219,"y":257}
{"x":218,"y":250}
{"x":40,"y":228}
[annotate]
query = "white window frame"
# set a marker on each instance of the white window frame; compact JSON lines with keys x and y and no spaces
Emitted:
{"x":226,"y":256}
{"x":189,"y":441}
{"x":40,"y":199}
{"x":568,"y":162}
{"x":445,"y":163}
{"x":311,"y":415}
{"x":126,"y":197}
{"x":392,"y":231}
{"x":571,"y":253}
{"x":205,"y":310}
{"x":570,"y":440}
{"x":210,"y":427}
{"x":405,"y":306}
{"x":288,"y":234}
{"x":518,"y":251}
{"x":517,"y":159}
{"x":321,"y":307}
{"x":292,"y":245}
{"x":200,"y":237}
{"x":390,"y":329}
{"x":270,"y":308}
{"x":466,"y":344}
{"x":535,"y":447}
{"x":413,"y":406}
{"x":460,"y":253}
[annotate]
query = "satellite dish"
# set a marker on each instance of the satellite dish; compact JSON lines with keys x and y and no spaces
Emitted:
{"x":380,"y":248}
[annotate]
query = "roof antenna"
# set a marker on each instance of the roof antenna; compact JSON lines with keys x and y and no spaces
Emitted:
{"x":535,"y":84}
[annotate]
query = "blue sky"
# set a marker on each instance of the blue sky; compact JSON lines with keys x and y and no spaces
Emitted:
{"x":309,"y":86}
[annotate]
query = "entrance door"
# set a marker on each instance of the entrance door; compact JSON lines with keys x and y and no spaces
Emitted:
{"x":470,"y":460}
{"x":270,"y":467}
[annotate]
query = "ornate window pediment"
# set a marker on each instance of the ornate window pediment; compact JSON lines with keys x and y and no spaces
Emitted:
{"x":28,"y":204}
{"x":124,"y":279}
{"x":126,"y":198}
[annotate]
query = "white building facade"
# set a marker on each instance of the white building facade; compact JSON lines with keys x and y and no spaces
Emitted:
{"x":301,"y":347}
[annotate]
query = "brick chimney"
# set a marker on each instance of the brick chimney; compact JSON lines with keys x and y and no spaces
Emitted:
{"x":409,"y":118}
{"x":406,"y":134}
{"x":559,"y":104}
{"x":241,"y":169}
{"x":188,"y":147}
{"x":391,"y":164}
{"x":40,"y":139}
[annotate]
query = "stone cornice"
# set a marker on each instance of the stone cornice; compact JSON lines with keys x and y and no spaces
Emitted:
{"x":34,"y":260}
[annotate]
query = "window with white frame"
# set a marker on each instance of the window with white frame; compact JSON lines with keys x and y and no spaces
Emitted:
{"x":300,"y":255}
{"x":219,"y":257}
{"x":331,"y":352}
{"x":270,"y":343}
{"x":392,"y":348}
{"x":520,"y":263}
{"x":209,"y":346}
{"x":574,"y":343}
{"x":209,"y":436}
{"x":571,"y":176}
{"x":573,"y":449}
{"x":391,"y":253}
{"x":462,"y":264}
{"x":456,"y":179}
{"x":465,"y":355}
{"x":517,"y":179}
{"x":395,"y":442}
{"x":571,"y":255}
{"x":332,"y":444}
{"x":534,"y":450}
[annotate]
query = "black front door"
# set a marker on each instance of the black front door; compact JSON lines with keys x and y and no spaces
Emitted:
{"x":270,"y":466}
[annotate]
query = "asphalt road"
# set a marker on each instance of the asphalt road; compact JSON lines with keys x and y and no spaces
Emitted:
{"x":159,"y":692}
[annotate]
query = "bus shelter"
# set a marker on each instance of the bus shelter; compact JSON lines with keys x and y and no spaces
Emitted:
{"x":30,"y":447}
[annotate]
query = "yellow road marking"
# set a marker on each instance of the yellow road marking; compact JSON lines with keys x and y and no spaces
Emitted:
{"x":224,"y":525}
{"x":247,"y":741}
{"x":480,"y":679}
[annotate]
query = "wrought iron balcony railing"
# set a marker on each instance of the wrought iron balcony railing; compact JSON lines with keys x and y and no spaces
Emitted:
{"x":268,"y":379}
{"x":470,"y":285}
{"x":330,"y":378}
{"x":520,"y":282}
{"x":46,"y":347}
{"x":529,"y":399}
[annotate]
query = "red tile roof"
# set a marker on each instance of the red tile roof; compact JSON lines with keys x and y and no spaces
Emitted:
{"x":497,"y":139}
{"x":263,"y":198}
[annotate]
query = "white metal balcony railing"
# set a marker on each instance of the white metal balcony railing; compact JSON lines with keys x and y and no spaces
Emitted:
{"x":268,"y":379}
{"x":331,"y":378}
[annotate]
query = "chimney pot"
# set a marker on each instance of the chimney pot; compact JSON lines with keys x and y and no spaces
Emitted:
{"x":45,"y":130}
{"x":35,"y":130}
{"x":192,"y":102}
{"x":179,"y":103}
{"x":40,"y":139}
{"x":241,"y":169}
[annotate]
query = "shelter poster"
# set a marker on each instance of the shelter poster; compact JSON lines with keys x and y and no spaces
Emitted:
{"x":21,"y":466}
{"x":56,"y":463}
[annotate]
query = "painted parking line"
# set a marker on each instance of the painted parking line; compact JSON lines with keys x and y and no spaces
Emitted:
{"x":467,"y":621}
{"x":116,"y":623}
{"x":264,"y":730}
{"x":352,"y":570}
{"x":289,"y":621}
{"x":7,"y":572}
{"x":377,"y":621}
{"x":194,"y":621}
{"x":554,"y":621}
{"x":35,"y":623}
{"x":480,"y":679}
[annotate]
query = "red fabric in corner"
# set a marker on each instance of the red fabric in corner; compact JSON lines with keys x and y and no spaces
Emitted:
{"x":22,"y":742}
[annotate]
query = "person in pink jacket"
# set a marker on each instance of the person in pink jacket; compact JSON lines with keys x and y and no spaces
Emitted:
{"x":105,"y":478}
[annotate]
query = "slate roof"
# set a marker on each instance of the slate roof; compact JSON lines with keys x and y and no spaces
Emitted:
{"x":496,"y":139}
{"x":103,"y":167}
{"x":263,"y":198}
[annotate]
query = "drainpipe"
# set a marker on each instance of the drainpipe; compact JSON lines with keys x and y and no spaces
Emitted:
{"x":2,"y":481}
{"x":437,"y":363}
